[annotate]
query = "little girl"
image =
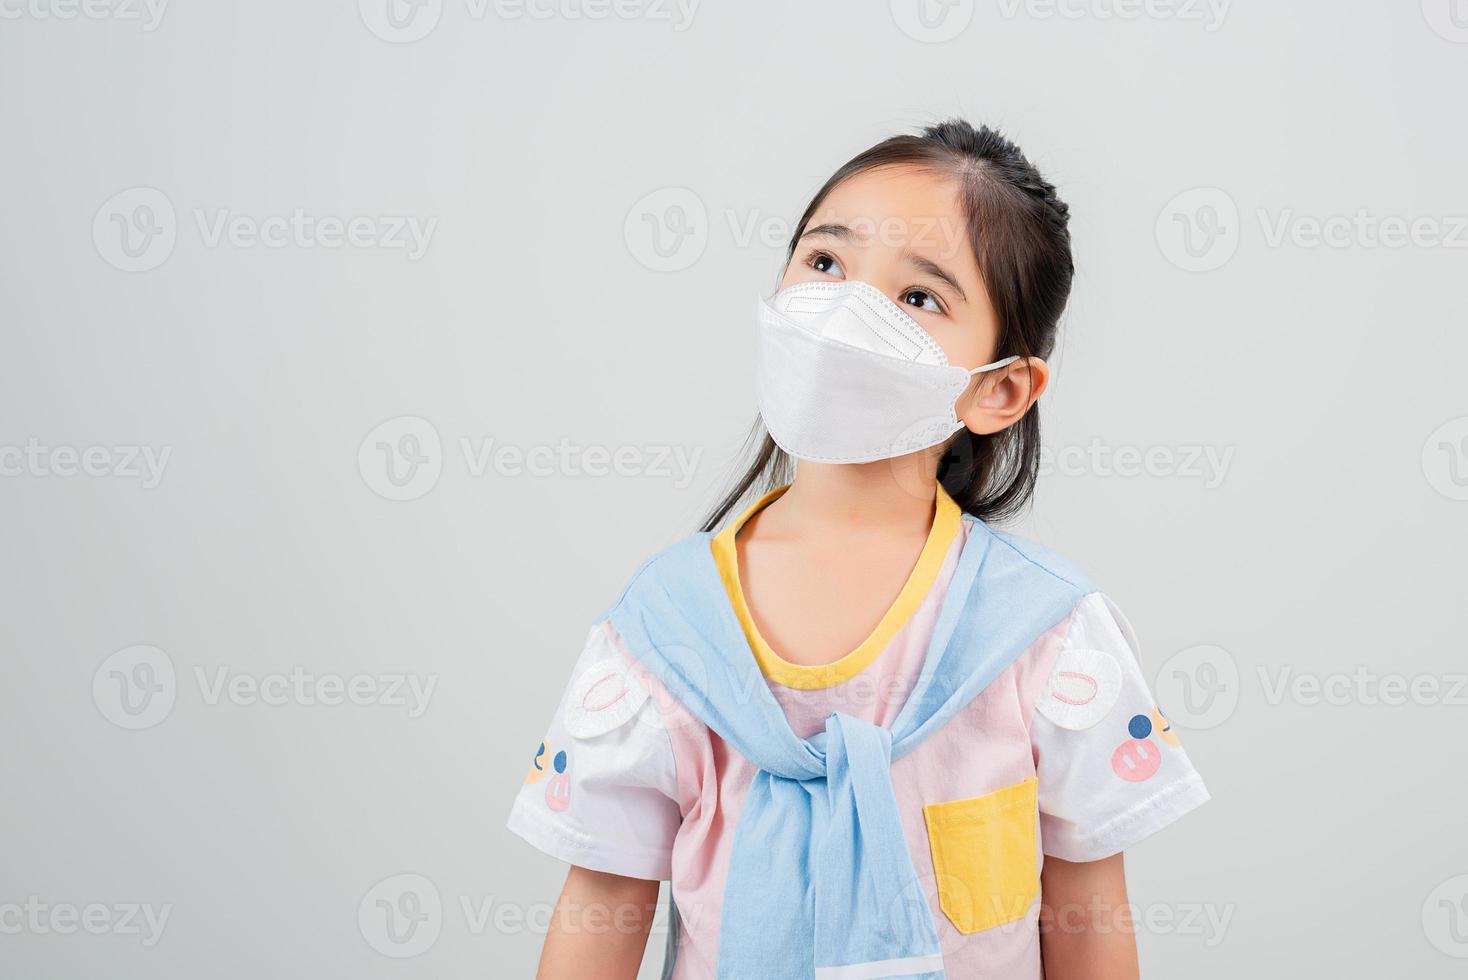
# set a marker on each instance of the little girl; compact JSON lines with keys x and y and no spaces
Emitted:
{"x":863,"y":733}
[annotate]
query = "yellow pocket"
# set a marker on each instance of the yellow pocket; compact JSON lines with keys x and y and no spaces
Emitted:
{"x":984,"y":856}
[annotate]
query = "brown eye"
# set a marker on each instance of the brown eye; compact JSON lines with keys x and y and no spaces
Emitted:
{"x":922,"y":299}
{"x":822,"y":262}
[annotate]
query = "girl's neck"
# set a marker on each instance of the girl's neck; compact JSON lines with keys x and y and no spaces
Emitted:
{"x":888,"y":493}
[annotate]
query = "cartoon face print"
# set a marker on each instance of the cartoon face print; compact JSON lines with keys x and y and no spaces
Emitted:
{"x":1163,"y":727}
{"x":1081,"y":689}
{"x":1138,"y":758}
{"x":538,"y":766}
{"x":558,"y":789}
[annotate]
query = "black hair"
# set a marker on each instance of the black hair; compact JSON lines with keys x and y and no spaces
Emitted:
{"x":1018,"y":227}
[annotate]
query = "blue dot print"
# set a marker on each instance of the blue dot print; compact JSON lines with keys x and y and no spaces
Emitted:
{"x":1140,"y":726}
{"x":560,"y":760}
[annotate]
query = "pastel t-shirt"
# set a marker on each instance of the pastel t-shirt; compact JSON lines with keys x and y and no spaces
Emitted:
{"x":1064,"y":754}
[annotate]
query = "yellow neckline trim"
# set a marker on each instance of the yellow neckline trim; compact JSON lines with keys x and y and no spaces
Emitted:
{"x":919,"y":581}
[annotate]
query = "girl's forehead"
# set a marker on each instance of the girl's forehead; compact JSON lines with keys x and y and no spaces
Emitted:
{"x":901,"y":208}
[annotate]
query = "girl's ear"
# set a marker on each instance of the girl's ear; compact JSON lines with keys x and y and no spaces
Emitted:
{"x":1001,"y":398}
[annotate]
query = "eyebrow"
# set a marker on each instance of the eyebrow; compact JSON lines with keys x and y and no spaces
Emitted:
{"x":835,"y":231}
{"x":845,"y":234}
{"x":936,"y":271}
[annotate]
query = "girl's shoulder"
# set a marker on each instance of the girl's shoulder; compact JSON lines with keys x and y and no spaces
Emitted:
{"x":1014,"y":554}
{"x":681,"y":568}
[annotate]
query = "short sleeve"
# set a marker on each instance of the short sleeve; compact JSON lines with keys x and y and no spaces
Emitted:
{"x":1111,"y":769}
{"x":601,"y":787}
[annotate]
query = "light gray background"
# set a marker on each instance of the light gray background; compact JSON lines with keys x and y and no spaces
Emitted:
{"x":547,"y":149}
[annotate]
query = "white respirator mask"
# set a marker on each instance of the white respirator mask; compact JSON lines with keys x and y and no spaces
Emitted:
{"x":843,"y":375}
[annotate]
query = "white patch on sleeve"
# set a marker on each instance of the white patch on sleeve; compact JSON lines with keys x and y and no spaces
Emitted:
{"x":605,"y":696}
{"x":1081,"y":689}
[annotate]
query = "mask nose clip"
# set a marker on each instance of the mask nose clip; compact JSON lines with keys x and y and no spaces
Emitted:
{"x":860,"y":315}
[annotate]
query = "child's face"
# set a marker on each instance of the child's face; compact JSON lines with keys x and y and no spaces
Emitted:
{"x":903,"y":230}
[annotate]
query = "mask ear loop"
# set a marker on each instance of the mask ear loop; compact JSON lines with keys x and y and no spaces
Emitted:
{"x":994,"y":365}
